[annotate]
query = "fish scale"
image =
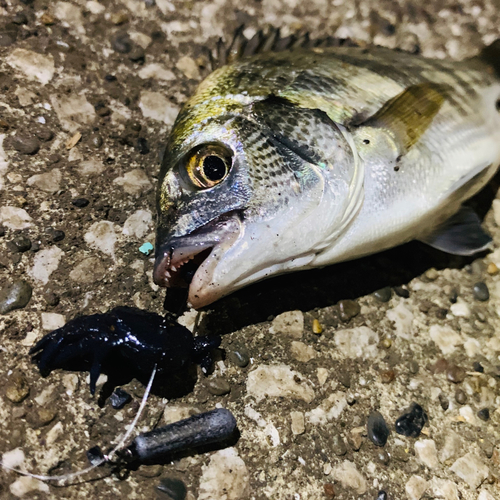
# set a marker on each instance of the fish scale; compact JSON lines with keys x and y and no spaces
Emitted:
{"x":335,"y":153}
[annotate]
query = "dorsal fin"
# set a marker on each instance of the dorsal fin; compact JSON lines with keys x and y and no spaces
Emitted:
{"x":267,"y":41}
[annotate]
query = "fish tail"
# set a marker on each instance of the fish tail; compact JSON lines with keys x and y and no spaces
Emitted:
{"x":491,"y":56}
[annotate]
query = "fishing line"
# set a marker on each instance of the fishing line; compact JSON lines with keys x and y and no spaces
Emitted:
{"x":105,"y":458}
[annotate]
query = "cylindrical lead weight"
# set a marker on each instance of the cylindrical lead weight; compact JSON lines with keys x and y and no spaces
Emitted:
{"x":199,"y":430}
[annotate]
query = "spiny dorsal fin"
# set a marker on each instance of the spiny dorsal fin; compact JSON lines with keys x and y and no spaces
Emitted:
{"x":408,"y":115}
{"x":267,"y":41}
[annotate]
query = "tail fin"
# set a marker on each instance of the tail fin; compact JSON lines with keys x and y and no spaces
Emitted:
{"x":491,"y":55}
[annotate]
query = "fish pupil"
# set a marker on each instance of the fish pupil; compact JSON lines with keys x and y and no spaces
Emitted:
{"x":214,"y":168}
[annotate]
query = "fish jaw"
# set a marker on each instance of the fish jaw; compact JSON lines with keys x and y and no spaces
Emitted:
{"x":205,"y":247}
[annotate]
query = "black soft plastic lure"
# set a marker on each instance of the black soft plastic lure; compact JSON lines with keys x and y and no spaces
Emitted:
{"x":123,"y":335}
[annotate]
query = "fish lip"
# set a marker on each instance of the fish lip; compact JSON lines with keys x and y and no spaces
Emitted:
{"x":216,"y":236}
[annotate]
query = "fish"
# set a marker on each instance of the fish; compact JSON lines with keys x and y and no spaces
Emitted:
{"x":293,"y":156}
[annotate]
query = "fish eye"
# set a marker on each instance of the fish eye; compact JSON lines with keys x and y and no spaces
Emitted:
{"x":208,"y":165}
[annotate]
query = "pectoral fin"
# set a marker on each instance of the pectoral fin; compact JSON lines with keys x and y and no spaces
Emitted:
{"x":461,"y":234}
{"x":408,"y":115}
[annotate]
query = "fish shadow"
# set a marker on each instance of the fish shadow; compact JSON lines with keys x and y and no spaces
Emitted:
{"x":319,"y":288}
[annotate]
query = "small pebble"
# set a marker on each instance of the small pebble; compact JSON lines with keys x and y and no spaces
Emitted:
{"x":80,"y":202}
{"x":402,"y":292}
{"x":484,"y":414}
{"x":137,"y":54}
{"x":95,"y":455}
{"x":382,"y":495}
{"x":377,"y":429}
{"x":142,"y":146}
{"x":25,"y":144}
{"x":239,"y":356}
{"x":17,"y":388}
{"x":218,"y":386}
{"x":35,"y":246}
{"x":411,"y":423}
{"x":413,"y":367}
{"x":58,"y":235}
{"x":44,"y":133}
{"x":51,"y":298}
{"x":96,"y":140}
{"x":478,"y":367}
{"x":22,"y":243}
{"x":443,"y":401}
{"x":460,"y":397}
{"x":338,"y":445}
{"x":172,"y":489}
{"x":329,"y":490}
{"x":20,"y":18}
{"x":492,"y":269}
{"x":431,"y":274}
{"x":384,"y":294}
{"x":15,"y":296}
{"x":344,"y":378}
{"x":387,"y":343}
{"x":348,"y":309}
{"x":440,"y":366}
{"x":122,"y":43}
{"x":455,"y":374}
{"x":383,"y":457}
{"x":481,"y":292}
{"x":316,"y":327}
{"x":2,"y":231}
{"x":119,"y":398}
{"x":487,"y":446}
{"x":453,"y":296}
{"x":41,"y":417}
{"x":387,"y":376}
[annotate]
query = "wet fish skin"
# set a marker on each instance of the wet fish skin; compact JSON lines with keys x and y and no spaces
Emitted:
{"x":335,"y":153}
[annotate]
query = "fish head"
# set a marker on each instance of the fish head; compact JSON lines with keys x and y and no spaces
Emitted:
{"x":247,"y":192}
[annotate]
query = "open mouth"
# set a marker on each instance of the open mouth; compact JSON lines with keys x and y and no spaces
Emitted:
{"x":178,"y":267}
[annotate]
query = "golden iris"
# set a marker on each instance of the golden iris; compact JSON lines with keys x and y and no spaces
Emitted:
{"x":208,"y":166}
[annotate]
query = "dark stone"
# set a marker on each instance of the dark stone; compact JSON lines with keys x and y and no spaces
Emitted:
{"x":35,"y":246}
{"x":440,"y":366}
{"x":239,"y":356}
{"x":413,"y":366}
{"x":484,"y":414}
{"x":384,"y":294}
{"x":377,"y":429}
{"x":96,"y":140}
{"x":455,"y":374}
{"x":43,"y":133}
{"x":478,"y":367}
{"x":51,"y":298}
{"x":344,"y":378}
{"x":122,"y":43}
{"x":481,"y":292}
{"x":443,"y":401}
{"x":411,"y":423}
{"x":102,"y":110}
{"x":137,"y":54}
{"x":22,"y":243}
{"x":173,"y":488}
{"x":80,"y":202}
{"x":15,"y":296}
{"x":387,"y":376}
{"x":8,"y":34}
{"x":17,"y":388}
{"x":119,"y":398}
{"x":58,"y":235}
{"x":2,"y":231}
{"x":460,"y":397}
{"x":218,"y":386}
{"x":95,"y":455}
{"x":402,"y":292}
{"x":454,"y":296}
{"x":6,"y":39}
{"x":441,"y":313}
{"x":383,"y":457}
{"x":20,"y":18}
{"x":338,"y":445}
{"x":142,"y":146}
{"x":382,"y":495}
{"x":26,"y":145}
{"x":348,"y":310}
{"x":110,"y":78}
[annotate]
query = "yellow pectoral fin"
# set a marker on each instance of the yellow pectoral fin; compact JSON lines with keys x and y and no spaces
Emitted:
{"x":408,"y":115}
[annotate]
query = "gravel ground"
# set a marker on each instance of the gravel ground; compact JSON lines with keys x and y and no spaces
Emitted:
{"x":89,"y":91}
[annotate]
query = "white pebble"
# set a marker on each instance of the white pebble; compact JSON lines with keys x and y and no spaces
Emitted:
{"x":302,"y":352}
{"x":134,"y":182}
{"x":156,"y":71}
{"x":26,"y":484}
{"x":14,"y":218}
{"x":298,"y":424}
{"x":138,"y":224}
{"x":445,"y":338}
{"x":13,"y":458}
{"x":278,"y":381}
{"x":349,"y":477}
{"x":189,"y":67}
{"x":425,"y":450}
{"x":289,"y":323}
{"x":50,"y":182}
{"x":415,"y":487}
{"x":157,"y":107}
{"x":45,"y":262}
{"x":471,"y":469}
{"x":460,"y":309}
{"x":52,"y":321}
{"x":102,"y":236}
{"x":32,"y":65}
{"x":73,"y":111}
{"x":360,"y":342}
{"x":225,"y":477}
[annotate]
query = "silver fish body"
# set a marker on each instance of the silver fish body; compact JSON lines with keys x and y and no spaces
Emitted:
{"x":300,"y":159}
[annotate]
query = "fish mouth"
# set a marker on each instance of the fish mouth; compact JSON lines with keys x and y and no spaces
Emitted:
{"x":190,"y":261}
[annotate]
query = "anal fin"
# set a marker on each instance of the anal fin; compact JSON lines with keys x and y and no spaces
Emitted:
{"x":461,"y":234}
